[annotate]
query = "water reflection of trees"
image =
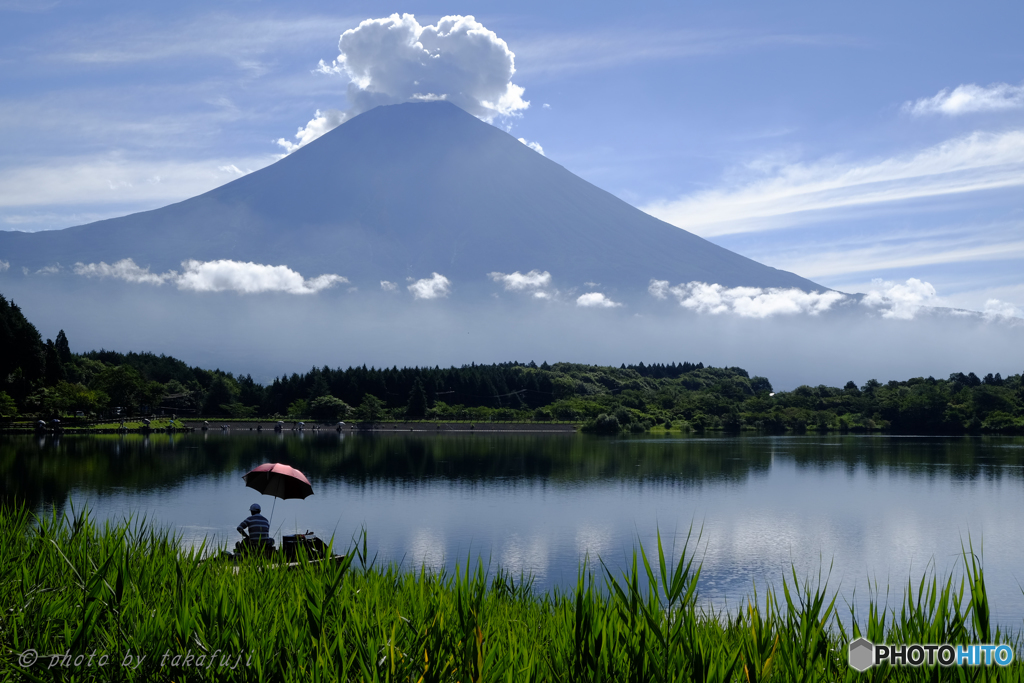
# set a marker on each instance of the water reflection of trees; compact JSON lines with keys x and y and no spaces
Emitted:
{"x":958,"y":458}
{"x":42,"y":470}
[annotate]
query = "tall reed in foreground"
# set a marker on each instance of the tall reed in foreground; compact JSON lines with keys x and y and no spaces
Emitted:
{"x":74,"y":592}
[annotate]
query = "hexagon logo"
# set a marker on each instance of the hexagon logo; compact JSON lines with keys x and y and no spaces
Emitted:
{"x":862,"y":654}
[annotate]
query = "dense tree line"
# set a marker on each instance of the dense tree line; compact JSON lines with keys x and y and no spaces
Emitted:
{"x":43,"y":378}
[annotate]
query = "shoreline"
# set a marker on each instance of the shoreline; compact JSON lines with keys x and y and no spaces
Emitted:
{"x":261,"y":426}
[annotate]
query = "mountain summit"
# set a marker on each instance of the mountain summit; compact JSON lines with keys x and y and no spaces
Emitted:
{"x":403,"y":191}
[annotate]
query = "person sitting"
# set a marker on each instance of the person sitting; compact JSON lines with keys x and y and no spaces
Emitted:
{"x":259,"y":530}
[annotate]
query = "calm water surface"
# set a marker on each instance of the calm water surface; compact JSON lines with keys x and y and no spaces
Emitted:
{"x":872,"y":508}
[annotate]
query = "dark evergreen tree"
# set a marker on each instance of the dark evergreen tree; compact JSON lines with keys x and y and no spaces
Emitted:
{"x":417,"y":407}
{"x":23,"y":360}
{"x":54,"y":368}
{"x":249,"y":392}
{"x":63,"y":348}
{"x":318,"y":386}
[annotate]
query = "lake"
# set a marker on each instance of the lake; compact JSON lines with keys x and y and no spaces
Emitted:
{"x":870,"y":507}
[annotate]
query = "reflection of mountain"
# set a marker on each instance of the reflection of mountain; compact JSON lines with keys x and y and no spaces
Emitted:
{"x":43,"y":471}
{"x":407,"y":190}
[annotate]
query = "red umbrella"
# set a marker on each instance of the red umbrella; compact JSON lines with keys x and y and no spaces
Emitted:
{"x":280,"y":481}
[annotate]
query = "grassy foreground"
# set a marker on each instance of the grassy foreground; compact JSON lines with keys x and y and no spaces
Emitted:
{"x":90,"y":602}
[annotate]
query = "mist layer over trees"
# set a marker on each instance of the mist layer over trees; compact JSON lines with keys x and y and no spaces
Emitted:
{"x":45,"y":379}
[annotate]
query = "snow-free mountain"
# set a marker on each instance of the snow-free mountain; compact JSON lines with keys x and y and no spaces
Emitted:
{"x":401,"y":192}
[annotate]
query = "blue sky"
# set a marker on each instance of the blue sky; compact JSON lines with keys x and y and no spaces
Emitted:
{"x":847,"y":144}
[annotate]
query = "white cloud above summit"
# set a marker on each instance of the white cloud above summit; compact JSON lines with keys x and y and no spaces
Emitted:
{"x":395,"y":59}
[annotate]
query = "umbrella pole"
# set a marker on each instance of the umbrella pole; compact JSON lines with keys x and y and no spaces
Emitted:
{"x":271,"y":520}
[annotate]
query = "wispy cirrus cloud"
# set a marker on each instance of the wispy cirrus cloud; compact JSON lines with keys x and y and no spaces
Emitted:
{"x":99,"y":84}
{"x":116,"y":178}
{"x":775,"y":196}
{"x":866,"y":252}
{"x":215,"y":276}
{"x":28,"y":6}
{"x":244,"y":40}
{"x":603,"y":49}
{"x":969,"y":99}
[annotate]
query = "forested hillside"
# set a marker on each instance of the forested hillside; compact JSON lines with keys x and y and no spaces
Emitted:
{"x":44,"y":379}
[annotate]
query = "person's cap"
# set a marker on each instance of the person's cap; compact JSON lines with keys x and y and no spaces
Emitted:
{"x":255,"y":507}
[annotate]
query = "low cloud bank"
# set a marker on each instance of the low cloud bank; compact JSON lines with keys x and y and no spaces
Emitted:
{"x":747,"y":302}
{"x":436,"y":286}
{"x":215,"y":276}
{"x":968,"y":99}
{"x":395,"y":59}
{"x":885,"y":299}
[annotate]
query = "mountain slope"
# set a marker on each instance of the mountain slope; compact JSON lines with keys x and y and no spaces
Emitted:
{"x":403,"y":191}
